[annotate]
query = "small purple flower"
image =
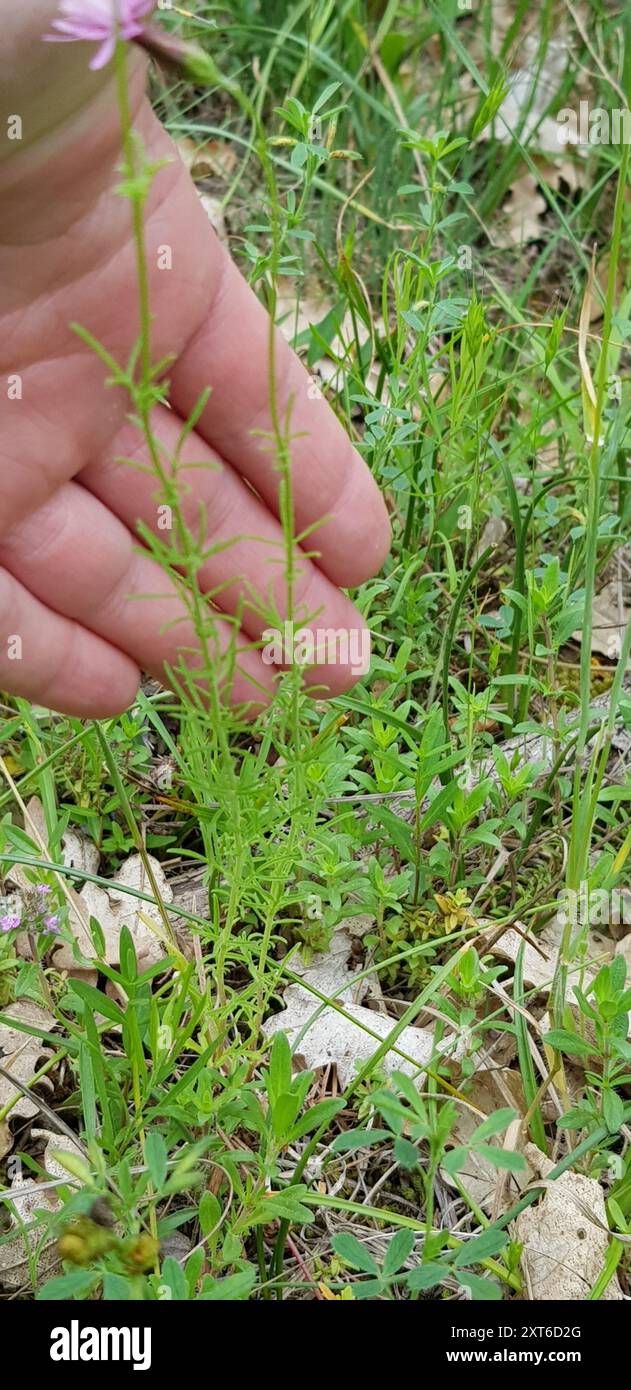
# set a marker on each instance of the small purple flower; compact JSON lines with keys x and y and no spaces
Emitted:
{"x":52,"y":923}
{"x":99,"y":21}
{"x":9,"y":923}
{"x":43,"y":890}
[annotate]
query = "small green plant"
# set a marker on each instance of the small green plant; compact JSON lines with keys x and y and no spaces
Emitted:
{"x":420,"y":1128}
{"x":603,"y":1019}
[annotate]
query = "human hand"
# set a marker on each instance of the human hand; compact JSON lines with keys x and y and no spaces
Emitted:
{"x":74,"y":630}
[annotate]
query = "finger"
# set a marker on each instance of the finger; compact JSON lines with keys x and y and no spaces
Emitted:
{"x":247,"y":570}
{"x":230,"y":353}
{"x":70,"y":260}
{"x":81,"y":560}
{"x":202,"y":311}
{"x":55,"y":662}
{"x":199,"y":286}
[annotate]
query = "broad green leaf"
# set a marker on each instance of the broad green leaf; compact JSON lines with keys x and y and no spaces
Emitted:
{"x":399,"y":1250}
{"x":483,"y":1290}
{"x":426,"y":1277}
{"x":353,"y":1253}
{"x":68,"y":1286}
{"x":455,"y":1159}
{"x":116,"y":1289}
{"x":564,"y":1041}
{"x":496,"y":1124}
{"x":235,"y":1288}
{"x":358,"y":1139}
{"x":367,"y":1288}
{"x":324,"y":1111}
{"x":502,"y":1158}
{"x":481,"y":1248}
{"x":174,"y":1277}
{"x":283,"y":1112}
{"x":209,"y":1213}
{"x":406,"y":1153}
{"x":613,"y":1111}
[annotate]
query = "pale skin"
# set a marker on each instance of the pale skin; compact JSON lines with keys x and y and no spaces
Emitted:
{"x":70,"y":562}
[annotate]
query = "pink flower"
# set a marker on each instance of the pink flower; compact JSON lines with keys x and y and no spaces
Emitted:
{"x":99,"y":21}
{"x":52,"y":922}
{"x":9,"y":923}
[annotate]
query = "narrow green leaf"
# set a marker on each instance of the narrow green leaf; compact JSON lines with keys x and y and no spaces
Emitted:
{"x":156,"y":1157}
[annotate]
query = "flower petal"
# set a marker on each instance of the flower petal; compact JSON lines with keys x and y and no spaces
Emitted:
{"x":104,"y":54}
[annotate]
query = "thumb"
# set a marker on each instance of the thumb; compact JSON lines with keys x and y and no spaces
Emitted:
{"x":45,"y":86}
